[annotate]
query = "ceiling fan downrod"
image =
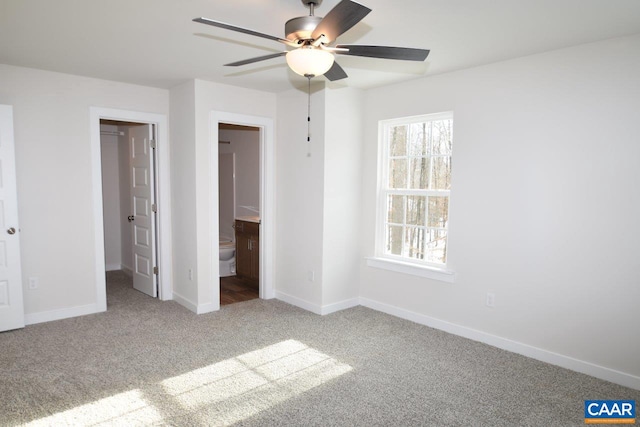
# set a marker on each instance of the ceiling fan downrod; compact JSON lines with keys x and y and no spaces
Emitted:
{"x":311,"y":4}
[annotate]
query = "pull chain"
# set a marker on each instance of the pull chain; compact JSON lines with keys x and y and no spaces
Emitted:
{"x":309,"y":76}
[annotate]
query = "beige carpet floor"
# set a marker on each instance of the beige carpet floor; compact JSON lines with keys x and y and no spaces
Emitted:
{"x":266,"y":363}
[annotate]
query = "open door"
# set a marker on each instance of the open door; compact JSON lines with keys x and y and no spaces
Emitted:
{"x":11,"y":302}
{"x":141,"y":145}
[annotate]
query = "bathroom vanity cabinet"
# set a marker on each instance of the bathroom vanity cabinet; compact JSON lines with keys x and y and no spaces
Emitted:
{"x":248,"y":250}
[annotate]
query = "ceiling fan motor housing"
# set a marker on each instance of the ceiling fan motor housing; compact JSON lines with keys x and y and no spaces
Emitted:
{"x":300,"y":28}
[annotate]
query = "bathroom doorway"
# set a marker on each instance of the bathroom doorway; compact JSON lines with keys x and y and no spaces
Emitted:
{"x":239,"y":183}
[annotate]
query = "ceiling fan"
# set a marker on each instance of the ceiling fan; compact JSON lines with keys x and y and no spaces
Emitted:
{"x":312,"y":38}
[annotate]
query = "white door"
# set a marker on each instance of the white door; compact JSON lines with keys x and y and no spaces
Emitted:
{"x":143,"y":217}
{"x":11,"y":305}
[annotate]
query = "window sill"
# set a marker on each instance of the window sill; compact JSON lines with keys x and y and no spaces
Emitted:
{"x":429,"y":272}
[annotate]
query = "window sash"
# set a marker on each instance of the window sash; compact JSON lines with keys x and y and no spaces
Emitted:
{"x":385,"y":191}
{"x":420,"y":252}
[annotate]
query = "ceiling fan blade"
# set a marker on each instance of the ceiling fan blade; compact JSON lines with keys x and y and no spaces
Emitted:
{"x":242,"y":30}
{"x":345,"y":15}
{"x":385,"y":52}
{"x":335,"y":73}
{"x":256,"y":59}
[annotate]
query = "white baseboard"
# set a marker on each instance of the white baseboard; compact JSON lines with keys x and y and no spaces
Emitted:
{"x":115,"y":267}
{"x":186,"y":303}
{"x":192,"y":306}
{"x":299,"y":302}
{"x":315,"y":308}
{"x":563,"y":361}
{"x":64,"y":313}
{"x":340,"y":305}
{"x":207,"y":308}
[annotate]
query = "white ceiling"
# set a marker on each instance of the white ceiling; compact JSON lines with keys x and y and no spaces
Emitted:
{"x":155,"y":43}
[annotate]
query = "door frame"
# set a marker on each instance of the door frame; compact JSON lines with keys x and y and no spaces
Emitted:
{"x":163,"y":192}
{"x":267,"y":199}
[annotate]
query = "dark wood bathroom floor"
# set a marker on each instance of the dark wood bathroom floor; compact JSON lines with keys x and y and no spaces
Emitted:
{"x":234,"y":289}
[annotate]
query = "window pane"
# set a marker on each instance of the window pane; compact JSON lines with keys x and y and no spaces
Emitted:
{"x":437,"y":246}
{"x":415,"y":193}
{"x":398,"y":141}
{"x":414,"y":243}
{"x":394,"y":240}
{"x":395,"y":209}
{"x":416,"y":209}
{"x":441,"y":137}
{"x":438,"y":211}
{"x":398,"y":173}
{"x":441,"y":174}
{"x":418,"y":139}
{"x":419,"y":173}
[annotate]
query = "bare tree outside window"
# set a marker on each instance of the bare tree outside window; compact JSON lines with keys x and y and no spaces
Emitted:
{"x":416,"y":195}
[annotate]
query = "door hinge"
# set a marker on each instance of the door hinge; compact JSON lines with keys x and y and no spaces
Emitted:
{"x":152,"y":143}
{"x":155,"y":270}
{"x":154,"y":208}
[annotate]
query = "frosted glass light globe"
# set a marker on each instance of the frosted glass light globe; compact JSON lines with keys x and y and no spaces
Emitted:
{"x":310,"y":61}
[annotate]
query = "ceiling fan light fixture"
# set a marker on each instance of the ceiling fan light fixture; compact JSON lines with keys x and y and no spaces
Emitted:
{"x":309,"y":61}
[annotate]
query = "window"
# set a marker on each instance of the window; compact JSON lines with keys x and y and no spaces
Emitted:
{"x":415,"y":187}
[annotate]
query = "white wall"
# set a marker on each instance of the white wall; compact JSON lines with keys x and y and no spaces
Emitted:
{"x":226,"y":195}
{"x":111,"y":198}
{"x":183,"y":187}
{"x":544,"y":206}
{"x":299,"y":203}
{"x":116,"y":195}
{"x":319,"y":195}
{"x":342,"y":197}
{"x":246,"y":145}
{"x":195,"y":181}
{"x":55,"y":188}
{"x":216,"y":97}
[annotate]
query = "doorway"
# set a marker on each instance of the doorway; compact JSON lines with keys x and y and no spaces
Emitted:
{"x":162,"y":209}
{"x":239,"y":176}
{"x":129,"y":201}
{"x":266,"y":206}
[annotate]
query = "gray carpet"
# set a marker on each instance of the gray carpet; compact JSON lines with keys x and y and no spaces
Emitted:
{"x":257,"y":363}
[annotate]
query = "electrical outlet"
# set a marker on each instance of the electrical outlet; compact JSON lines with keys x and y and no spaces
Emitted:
{"x":311,"y":275}
{"x":33,"y":283}
{"x":491,"y":299}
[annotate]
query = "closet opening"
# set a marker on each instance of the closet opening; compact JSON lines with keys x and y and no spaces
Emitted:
{"x":129,"y":194}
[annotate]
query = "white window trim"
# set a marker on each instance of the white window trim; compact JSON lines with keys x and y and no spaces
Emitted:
{"x":390,"y":262}
{"x":414,"y":269}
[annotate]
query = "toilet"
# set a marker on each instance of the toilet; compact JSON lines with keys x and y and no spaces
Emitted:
{"x":227,"y":257}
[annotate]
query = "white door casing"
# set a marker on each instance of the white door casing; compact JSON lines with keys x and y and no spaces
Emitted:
{"x":11,"y":298}
{"x":163,"y":218}
{"x":142,"y":200}
{"x":267,"y":201}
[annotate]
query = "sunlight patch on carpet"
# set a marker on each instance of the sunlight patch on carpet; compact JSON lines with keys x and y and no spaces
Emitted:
{"x":128,"y":408}
{"x":238,"y":388}
{"x":220,"y":394}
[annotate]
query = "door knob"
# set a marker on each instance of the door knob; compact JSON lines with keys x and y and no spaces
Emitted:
{"x":131,"y":218}
{"x":11,"y":230}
